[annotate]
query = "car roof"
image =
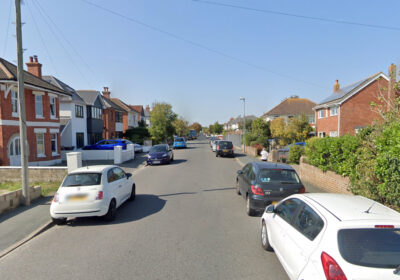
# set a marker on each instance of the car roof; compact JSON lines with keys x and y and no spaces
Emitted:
{"x":347,"y":207}
{"x":271,"y":165}
{"x":91,"y":168}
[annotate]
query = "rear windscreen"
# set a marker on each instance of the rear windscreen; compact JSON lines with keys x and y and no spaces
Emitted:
{"x":225,"y":145}
{"x":82,"y":179}
{"x":374,"y":247}
{"x":278,"y":175}
{"x":179,"y":140}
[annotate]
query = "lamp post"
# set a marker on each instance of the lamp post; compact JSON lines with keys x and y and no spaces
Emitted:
{"x":244,"y":123}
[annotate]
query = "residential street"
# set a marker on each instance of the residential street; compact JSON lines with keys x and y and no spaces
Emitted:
{"x":186,"y":223}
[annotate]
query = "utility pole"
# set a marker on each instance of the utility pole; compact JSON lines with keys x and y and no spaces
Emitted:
{"x":21,"y":106}
{"x":244,"y":123}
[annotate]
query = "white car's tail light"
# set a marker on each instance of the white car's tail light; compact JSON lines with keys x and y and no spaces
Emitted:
{"x":100,"y":195}
{"x":331,"y":269}
{"x":55,"y":199}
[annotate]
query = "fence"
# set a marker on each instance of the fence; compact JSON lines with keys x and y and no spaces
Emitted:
{"x":235,"y":138}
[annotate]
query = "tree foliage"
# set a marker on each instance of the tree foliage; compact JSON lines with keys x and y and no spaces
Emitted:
{"x":137,"y":134}
{"x":216,"y":128}
{"x":181,"y":127}
{"x":162,"y":118}
{"x":295,"y":130}
{"x":196,"y":126}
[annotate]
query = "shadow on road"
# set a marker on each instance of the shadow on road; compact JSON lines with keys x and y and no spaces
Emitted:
{"x":173,"y":194}
{"x":220,"y":189}
{"x":240,"y":155}
{"x":143,"y":206}
{"x":21,"y":209}
{"x":178,"y":161}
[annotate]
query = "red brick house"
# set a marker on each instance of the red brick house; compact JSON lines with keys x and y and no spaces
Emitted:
{"x":140,"y":110}
{"x":113,"y":116}
{"x":348,"y":109}
{"x":42,"y":116}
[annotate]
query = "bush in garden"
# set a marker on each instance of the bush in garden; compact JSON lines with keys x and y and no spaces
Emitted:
{"x":295,"y":153}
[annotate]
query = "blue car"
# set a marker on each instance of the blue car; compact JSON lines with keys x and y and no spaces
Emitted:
{"x":179,"y":142}
{"x":108,"y":144}
{"x":160,"y":154}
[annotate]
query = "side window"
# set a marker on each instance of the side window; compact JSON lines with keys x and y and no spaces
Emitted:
{"x":308,"y":223}
{"x":287,"y":209}
{"x":119,"y":173}
{"x":110,"y":175}
{"x":252,"y":174}
{"x":246,"y":170}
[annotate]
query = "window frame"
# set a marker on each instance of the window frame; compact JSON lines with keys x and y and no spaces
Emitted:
{"x":83,"y":139}
{"x":54,"y":152}
{"x":79,"y":111}
{"x":331,"y":110}
{"x":40,"y":155}
{"x":53,"y":103}
{"x":37,"y":103}
{"x":321,"y":113}
{"x":14,"y":102}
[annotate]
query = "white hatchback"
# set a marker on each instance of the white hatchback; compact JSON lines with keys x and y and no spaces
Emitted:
{"x":92,"y":191}
{"x":333,"y":236}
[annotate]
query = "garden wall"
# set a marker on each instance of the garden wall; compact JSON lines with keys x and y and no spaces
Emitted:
{"x":10,"y":200}
{"x":36,"y":174}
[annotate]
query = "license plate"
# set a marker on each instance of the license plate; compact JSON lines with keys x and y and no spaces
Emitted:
{"x":77,"y":198}
{"x":225,"y":151}
{"x":274,"y":202}
{"x":156,"y":161}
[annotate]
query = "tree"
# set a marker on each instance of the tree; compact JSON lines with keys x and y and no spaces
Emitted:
{"x":196,"y":126}
{"x":278,"y":130}
{"x":260,"y":127}
{"x":181,"y":127}
{"x":162,"y":118}
{"x":217,"y":128}
{"x":298,"y":129}
{"x":248,"y":124}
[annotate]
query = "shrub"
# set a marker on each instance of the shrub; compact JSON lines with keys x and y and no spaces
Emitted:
{"x":137,"y":134}
{"x":295,"y":153}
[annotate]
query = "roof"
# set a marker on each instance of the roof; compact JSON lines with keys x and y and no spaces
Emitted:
{"x":137,"y":108}
{"x":351,"y":207}
{"x":110,"y":104}
{"x":239,"y":119}
{"x":351,"y":89}
{"x":121,"y":104}
{"x":89,"y":96}
{"x":92,"y":168}
{"x":8,"y":72}
{"x":293,"y":106}
{"x":56,"y":82}
{"x":271,"y":165}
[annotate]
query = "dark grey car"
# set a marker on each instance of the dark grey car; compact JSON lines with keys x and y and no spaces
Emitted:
{"x":264,"y":183}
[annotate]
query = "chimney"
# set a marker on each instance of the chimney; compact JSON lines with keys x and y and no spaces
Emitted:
{"x":34,"y":67}
{"x":148,"y":108}
{"x":106,"y":93}
{"x":392,"y":80}
{"x":336,"y":87}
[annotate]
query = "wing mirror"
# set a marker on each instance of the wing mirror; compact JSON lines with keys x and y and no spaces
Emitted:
{"x":128,"y":175}
{"x":239,"y":172}
{"x":270,"y":209}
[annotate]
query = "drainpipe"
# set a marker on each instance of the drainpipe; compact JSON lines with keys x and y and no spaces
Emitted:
{"x":338,"y":121}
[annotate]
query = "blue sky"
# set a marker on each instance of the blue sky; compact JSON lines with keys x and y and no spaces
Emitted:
{"x":141,"y":65}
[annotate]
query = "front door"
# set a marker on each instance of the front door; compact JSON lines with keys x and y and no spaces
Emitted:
{"x":14,"y":152}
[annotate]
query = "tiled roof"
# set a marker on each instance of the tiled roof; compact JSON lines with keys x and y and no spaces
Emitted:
{"x":138,"y":108}
{"x":110,"y":104}
{"x":8,"y":72}
{"x":89,"y":96}
{"x":121,"y":104}
{"x":293,"y":106}
{"x":56,"y":82}
{"x":350,"y":89}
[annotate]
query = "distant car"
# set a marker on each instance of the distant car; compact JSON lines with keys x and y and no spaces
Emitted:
{"x":179,"y":142}
{"x":212,"y":139}
{"x":214,"y":145}
{"x":264,"y":183}
{"x":160,"y":154}
{"x":333,"y":236}
{"x":108,"y":144}
{"x":138,"y":148}
{"x":224,"y":148}
{"x":92,"y":191}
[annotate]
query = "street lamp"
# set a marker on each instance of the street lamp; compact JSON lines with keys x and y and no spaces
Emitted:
{"x":244,"y":123}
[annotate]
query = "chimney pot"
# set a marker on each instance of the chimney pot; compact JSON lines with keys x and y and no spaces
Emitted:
{"x":34,"y":67}
{"x":336,"y":87}
{"x":106,"y":93}
{"x":31,"y":59}
{"x":35,"y":58}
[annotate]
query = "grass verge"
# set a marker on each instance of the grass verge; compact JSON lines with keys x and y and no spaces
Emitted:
{"x":48,"y":188}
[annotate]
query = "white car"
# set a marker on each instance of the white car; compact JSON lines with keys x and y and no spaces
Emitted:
{"x":333,"y":236}
{"x":214,"y":145}
{"x":92,"y":191}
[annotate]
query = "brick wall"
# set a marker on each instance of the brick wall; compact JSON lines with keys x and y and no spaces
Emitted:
{"x":109,"y":123}
{"x":328,"y":181}
{"x":328,"y":123}
{"x":36,"y":174}
{"x":13,"y":199}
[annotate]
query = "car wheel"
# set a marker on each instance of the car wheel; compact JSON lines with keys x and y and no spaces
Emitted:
{"x":249,"y":210}
{"x":216,"y":154}
{"x":237,"y":187}
{"x":59,"y":221}
{"x":133,"y":193}
{"x":112,"y":211}
{"x":264,"y":238}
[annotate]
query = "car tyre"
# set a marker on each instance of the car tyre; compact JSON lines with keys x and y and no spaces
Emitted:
{"x":249,"y":210}
{"x":133,"y":193}
{"x":216,"y":154}
{"x":112,"y":211}
{"x":59,"y":221}
{"x":237,"y":188}
{"x":264,"y":238}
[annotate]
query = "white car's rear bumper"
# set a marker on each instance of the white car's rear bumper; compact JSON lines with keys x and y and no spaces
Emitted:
{"x":74,"y":210}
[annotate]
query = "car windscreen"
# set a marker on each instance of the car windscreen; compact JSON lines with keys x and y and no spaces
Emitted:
{"x":82,"y":179}
{"x":278,"y":175}
{"x":179,"y":140}
{"x":372,"y":247}
{"x":225,"y":145}
{"x":158,"y":149}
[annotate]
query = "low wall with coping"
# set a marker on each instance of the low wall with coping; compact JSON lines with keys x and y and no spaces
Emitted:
{"x":36,"y":174}
{"x":328,"y":181}
{"x":10,"y":200}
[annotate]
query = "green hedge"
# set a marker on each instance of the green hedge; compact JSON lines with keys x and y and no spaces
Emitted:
{"x":295,"y":152}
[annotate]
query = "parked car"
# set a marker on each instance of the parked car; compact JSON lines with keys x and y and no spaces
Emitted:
{"x":333,"y":236}
{"x":108,"y":144}
{"x":92,"y":191}
{"x":214,"y":145}
{"x":160,"y":154}
{"x":179,"y":142}
{"x":212,"y":139}
{"x":264,"y":183}
{"x":138,"y":148}
{"x":224,"y":148}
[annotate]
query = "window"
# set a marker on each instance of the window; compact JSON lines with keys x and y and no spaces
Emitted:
{"x":14,"y":103}
{"x":78,"y":111}
{"x":53,"y":113}
{"x":321,"y":114}
{"x":115,"y":174}
{"x":287,"y":209}
{"x":39,"y":106}
{"x":96,"y":113}
{"x":333,"y":111}
{"x":321,"y":134}
{"x":308,"y":223}
{"x":278,"y":175}
{"x":333,"y":134}
{"x":40,"y":144}
{"x":118,"y":116}
{"x":82,"y":179}
{"x":311,"y":119}
{"x":79,"y":140}
{"x":54,"y":150}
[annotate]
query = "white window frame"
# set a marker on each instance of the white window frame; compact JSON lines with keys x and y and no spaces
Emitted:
{"x":37,"y":145}
{"x":53,"y":102}
{"x":333,"y":113}
{"x":14,"y":99}
{"x":311,"y":119}
{"x":321,"y":134}
{"x":54,"y":153}
{"x":320,"y":113}
{"x":333,"y":134}
{"x":41,"y":104}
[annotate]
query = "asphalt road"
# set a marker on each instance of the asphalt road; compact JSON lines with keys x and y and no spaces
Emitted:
{"x":186,"y":223}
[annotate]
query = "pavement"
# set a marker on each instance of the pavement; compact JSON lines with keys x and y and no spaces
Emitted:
{"x":19,"y":225}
